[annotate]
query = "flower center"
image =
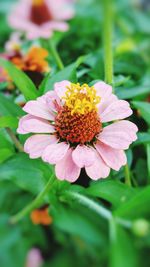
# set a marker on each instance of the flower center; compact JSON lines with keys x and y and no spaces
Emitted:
{"x":77,"y":121}
{"x":40,"y":12}
{"x":81,"y":99}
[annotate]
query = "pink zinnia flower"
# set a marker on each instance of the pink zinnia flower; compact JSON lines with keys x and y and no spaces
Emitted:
{"x":39,"y":18}
{"x":70,"y":130}
{"x":34,"y":258}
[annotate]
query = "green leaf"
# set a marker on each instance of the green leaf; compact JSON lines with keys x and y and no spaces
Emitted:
{"x":22,"y":81}
{"x":148,"y":158}
{"x":5,"y":154}
{"x":143,"y":138}
{"x":74,"y":222}
{"x":8,"y":121}
{"x":68,"y":73}
{"x":144,"y":109}
{"x":8,"y":108}
{"x":114,"y":192}
{"x":30,"y":175}
{"x":122,"y":250}
{"x":5,"y":141}
{"x":136,"y":207}
{"x":129,"y":93}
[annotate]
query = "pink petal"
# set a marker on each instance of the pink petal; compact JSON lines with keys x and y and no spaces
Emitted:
{"x":99,"y":169}
{"x":114,"y":158}
{"x":36,"y":125}
{"x":119,"y":109}
{"x":36,"y":144}
{"x":103,"y":90}
{"x":67,"y":11}
{"x":20,"y":129}
{"x":61,"y":87}
{"x":51,"y":100}
{"x":107,"y":102}
{"x":56,"y":25}
{"x":83,"y":156}
{"x":55,"y":152}
{"x":119,"y":135}
{"x":38,"y":32}
{"x":66,"y":169}
{"x":39,"y":109}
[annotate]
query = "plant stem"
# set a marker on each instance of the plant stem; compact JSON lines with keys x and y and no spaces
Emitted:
{"x":34,"y":204}
{"x":108,"y":58}
{"x":107,"y":39}
{"x":55,"y":54}
{"x":100,"y":210}
{"x":85,"y":201}
{"x":14,"y":139}
{"x":127,"y":175}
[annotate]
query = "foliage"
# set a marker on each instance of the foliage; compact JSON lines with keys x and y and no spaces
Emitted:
{"x":79,"y":236}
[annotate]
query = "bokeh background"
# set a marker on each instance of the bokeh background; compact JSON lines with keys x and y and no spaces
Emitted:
{"x":77,"y":236}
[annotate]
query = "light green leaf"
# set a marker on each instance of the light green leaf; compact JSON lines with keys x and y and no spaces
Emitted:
{"x":137,"y":206}
{"x":8,"y":121}
{"x":5,"y":153}
{"x":122,"y":251}
{"x":22,"y":81}
{"x":129,"y":93}
{"x":148,"y":158}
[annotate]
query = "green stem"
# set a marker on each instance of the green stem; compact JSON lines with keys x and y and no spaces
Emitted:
{"x":107,"y":39}
{"x":100,"y":210}
{"x":85,"y":201}
{"x":108,"y":57}
{"x":34,"y":204}
{"x":55,"y":54}
{"x":14,"y":139}
{"x":127,"y":175}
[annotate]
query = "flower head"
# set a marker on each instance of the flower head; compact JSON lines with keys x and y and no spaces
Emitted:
{"x":34,"y":60}
{"x":41,"y":216}
{"x":39,"y":18}
{"x":70,"y":131}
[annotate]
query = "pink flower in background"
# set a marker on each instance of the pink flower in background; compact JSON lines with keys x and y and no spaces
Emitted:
{"x":39,"y":18}
{"x":34,"y":258}
{"x":70,"y":130}
{"x":14,"y":42}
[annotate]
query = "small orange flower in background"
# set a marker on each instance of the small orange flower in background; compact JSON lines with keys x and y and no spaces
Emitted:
{"x":41,"y":216}
{"x":34,"y":60}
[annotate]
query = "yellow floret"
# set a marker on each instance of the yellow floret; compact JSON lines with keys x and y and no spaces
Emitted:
{"x":81,"y":99}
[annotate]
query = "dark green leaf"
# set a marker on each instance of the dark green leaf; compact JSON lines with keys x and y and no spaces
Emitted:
{"x":143,"y":138}
{"x":68,"y":73}
{"x":30,"y":175}
{"x":115,"y":192}
{"x":144,"y":109}
{"x":8,"y":108}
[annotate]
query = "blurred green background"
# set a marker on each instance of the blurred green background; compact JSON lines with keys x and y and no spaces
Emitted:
{"x":78,"y":236}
